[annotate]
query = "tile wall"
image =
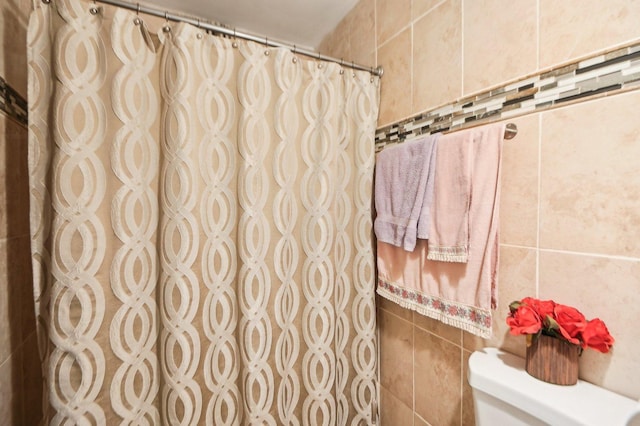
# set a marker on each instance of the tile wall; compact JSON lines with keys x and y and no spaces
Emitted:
{"x":20,"y":376}
{"x":570,"y":208}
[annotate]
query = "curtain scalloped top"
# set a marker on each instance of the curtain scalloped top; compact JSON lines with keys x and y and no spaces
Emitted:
{"x":201,"y":227}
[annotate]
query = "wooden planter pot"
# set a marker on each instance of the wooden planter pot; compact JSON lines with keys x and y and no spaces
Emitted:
{"x":552,"y":360}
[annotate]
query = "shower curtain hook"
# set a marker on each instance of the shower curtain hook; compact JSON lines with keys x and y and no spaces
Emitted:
{"x":94,"y":10}
{"x":266,"y":45}
{"x":199,"y":35}
{"x":166,"y":28}
{"x":295,"y":59}
{"x":341,"y":66}
{"x":235,"y":42}
{"x":137,"y":20}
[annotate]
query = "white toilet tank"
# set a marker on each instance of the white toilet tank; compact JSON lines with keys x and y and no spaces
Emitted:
{"x":505,"y":394}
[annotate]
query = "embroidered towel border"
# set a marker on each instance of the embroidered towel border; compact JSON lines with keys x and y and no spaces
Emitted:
{"x":468,"y":318}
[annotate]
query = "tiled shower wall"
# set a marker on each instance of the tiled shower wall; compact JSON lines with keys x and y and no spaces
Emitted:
{"x":570,"y":208}
{"x":20,"y":377}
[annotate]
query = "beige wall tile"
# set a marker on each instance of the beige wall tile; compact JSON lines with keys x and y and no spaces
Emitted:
{"x":519,"y":188}
{"x":396,"y":363}
{"x":13,"y":48}
{"x":10,"y":303}
{"x":590,"y":186}
{"x":468,"y":413}
{"x":438,"y":379}
{"x":574,"y":28}
{"x":452,"y":334}
{"x":495,"y":33}
{"x":11,"y":390}
{"x":437,"y":57}
{"x":393,"y":308}
{"x":395,"y":89}
{"x":362,"y":36}
{"x":419,"y":421}
{"x":517,"y":279}
{"x":31,"y":382}
{"x":394,"y":412}
{"x":14,"y":179}
{"x":336,"y":43}
{"x":603,"y":288}
{"x":392,"y":16}
{"x":420,"y":7}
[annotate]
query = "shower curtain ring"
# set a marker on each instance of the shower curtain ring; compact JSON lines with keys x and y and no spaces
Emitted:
{"x":235,"y":42}
{"x":295,"y":59}
{"x":266,"y":45}
{"x":94,"y":10}
{"x":166,"y":28}
{"x":199,"y":35}
{"x":341,"y":66}
{"x":137,"y":20}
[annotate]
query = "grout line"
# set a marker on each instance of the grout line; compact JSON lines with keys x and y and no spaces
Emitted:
{"x":413,"y":369}
{"x":391,"y":37}
{"x":431,"y":9}
{"x":411,"y":79}
{"x":537,"y":34}
{"x":518,"y":246}
{"x":574,"y":253}
{"x":539,"y":196}
{"x":462,"y":88}
{"x":585,"y":254}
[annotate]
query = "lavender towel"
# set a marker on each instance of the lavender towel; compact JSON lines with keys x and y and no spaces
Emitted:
{"x":404,"y":191}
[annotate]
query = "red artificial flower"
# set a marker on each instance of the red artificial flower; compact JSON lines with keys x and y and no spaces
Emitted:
{"x":524,"y":320}
{"x":542,"y":307}
{"x":596,"y":336}
{"x":571,"y":322}
{"x":535,"y":316}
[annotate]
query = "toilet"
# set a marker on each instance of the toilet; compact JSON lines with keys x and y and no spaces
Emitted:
{"x":505,"y":394}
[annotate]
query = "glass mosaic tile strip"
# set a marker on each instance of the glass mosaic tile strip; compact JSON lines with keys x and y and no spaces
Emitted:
{"x":14,"y":105}
{"x":613,"y":71}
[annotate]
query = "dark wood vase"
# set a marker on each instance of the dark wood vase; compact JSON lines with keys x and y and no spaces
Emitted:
{"x":552,"y":360}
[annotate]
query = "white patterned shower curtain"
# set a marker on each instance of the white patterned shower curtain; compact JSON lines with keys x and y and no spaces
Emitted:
{"x":201,"y":227}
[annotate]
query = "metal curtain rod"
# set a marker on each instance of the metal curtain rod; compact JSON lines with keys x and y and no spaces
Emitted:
{"x":238,"y":34}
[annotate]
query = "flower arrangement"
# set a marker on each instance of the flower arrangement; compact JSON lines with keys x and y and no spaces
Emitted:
{"x":531,"y":316}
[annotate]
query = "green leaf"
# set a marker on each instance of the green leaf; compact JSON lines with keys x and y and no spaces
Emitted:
{"x":550,"y":323}
{"x":514,"y":306}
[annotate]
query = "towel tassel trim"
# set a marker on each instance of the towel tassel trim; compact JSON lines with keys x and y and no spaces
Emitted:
{"x":473,"y":320}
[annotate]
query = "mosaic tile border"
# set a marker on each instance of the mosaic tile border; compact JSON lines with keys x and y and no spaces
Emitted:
{"x":613,"y":71}
{"x":13,"y":104}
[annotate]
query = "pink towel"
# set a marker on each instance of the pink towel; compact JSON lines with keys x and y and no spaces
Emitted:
{"x":404,"y":192}
{"x":449,"y":228}
{"x":458,"y":294}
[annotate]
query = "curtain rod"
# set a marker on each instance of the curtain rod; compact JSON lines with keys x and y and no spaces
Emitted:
{"x":233,"y":33}
{"x":510,"y":130}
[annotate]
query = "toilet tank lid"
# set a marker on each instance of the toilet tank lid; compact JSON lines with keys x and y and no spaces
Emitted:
{"x":503,"y":376}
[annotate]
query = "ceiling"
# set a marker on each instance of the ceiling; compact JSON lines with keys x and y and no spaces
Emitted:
{"x":300,"y":22}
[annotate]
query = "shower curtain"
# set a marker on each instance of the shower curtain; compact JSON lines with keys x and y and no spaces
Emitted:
{"x":201,"y":226}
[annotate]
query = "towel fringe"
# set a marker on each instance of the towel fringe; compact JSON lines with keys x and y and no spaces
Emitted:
{"x":471,"y":327}
{"x":448,"y":254}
